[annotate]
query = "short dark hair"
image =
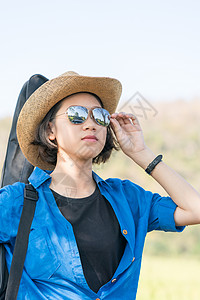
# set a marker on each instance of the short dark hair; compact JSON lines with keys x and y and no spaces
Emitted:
{"x":48,"y":149}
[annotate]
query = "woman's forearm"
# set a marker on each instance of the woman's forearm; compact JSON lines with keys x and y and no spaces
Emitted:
{"x":182,"y":193}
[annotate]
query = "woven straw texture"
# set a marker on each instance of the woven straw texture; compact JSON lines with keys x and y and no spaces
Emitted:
{"x":46,"y":96}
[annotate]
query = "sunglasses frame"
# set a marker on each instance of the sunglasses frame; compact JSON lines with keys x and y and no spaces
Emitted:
{"x":89,"y":113}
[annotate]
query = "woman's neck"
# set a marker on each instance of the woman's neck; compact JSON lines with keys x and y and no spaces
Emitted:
{"x":73,"y":179}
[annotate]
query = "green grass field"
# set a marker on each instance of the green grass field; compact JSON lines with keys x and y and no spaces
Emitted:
{"x":169,"y":278}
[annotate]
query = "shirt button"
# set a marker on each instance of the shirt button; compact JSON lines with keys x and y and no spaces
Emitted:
{"x":114,"y":280}
{"x":133,"y":259}
{"x":125,"y":231}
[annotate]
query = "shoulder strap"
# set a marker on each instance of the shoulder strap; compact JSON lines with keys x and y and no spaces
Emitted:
{"x":21,"y":243}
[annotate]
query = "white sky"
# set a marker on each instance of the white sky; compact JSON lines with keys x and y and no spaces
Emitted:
{"x":151,"y":46}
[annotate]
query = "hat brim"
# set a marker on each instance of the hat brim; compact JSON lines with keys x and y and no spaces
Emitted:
{"x":46,"y":96}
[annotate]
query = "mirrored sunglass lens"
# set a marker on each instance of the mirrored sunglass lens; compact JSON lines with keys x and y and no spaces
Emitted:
{"x":101,"y":116}
{"x":77,"y":114}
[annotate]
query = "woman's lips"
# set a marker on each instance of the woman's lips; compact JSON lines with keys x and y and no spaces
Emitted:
{"x":90,"y":138}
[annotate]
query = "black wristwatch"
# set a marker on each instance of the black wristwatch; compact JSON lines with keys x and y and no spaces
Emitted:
{"x":154,"y":163}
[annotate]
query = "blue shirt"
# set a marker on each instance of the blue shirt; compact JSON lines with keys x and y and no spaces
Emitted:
{"x":52,"y":268}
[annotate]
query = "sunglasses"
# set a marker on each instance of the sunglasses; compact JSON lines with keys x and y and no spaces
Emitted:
{"x":78,"y":115}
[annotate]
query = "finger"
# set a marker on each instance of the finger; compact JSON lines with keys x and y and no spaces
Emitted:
{"x":128,"y":118}
{"x":124,"y":118}
{"x":133,"y":118}
{"x":116,"y":126}
{"x":115,"y":123}
{"x":118,"y":118}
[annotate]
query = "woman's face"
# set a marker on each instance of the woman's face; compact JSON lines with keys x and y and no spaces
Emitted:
{"x":69,"y":137}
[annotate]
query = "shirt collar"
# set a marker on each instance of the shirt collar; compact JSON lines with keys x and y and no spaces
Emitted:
{"x":39,"y":176}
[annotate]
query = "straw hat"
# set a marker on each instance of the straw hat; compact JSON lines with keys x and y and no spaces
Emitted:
{"x":46,"y":96}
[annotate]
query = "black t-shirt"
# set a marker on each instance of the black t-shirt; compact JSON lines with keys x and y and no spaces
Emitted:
{"x":98,"y":235}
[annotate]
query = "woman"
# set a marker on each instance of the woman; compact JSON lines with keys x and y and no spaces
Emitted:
{"x":87,"y":235}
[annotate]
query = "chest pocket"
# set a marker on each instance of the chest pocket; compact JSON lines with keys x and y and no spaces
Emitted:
{"x":41,"y":261}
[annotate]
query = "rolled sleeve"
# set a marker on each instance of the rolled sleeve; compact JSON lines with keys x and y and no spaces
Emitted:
{"x":166,"y":211}
{"x":161,"y":216}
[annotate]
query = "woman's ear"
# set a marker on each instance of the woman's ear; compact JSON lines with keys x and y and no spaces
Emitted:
{"x":51,"y":131}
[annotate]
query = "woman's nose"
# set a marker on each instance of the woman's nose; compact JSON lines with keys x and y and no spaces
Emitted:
{"x":90,"y":122}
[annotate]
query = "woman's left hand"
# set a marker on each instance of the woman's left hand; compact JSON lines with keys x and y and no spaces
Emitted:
{"x":128,"y":133}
